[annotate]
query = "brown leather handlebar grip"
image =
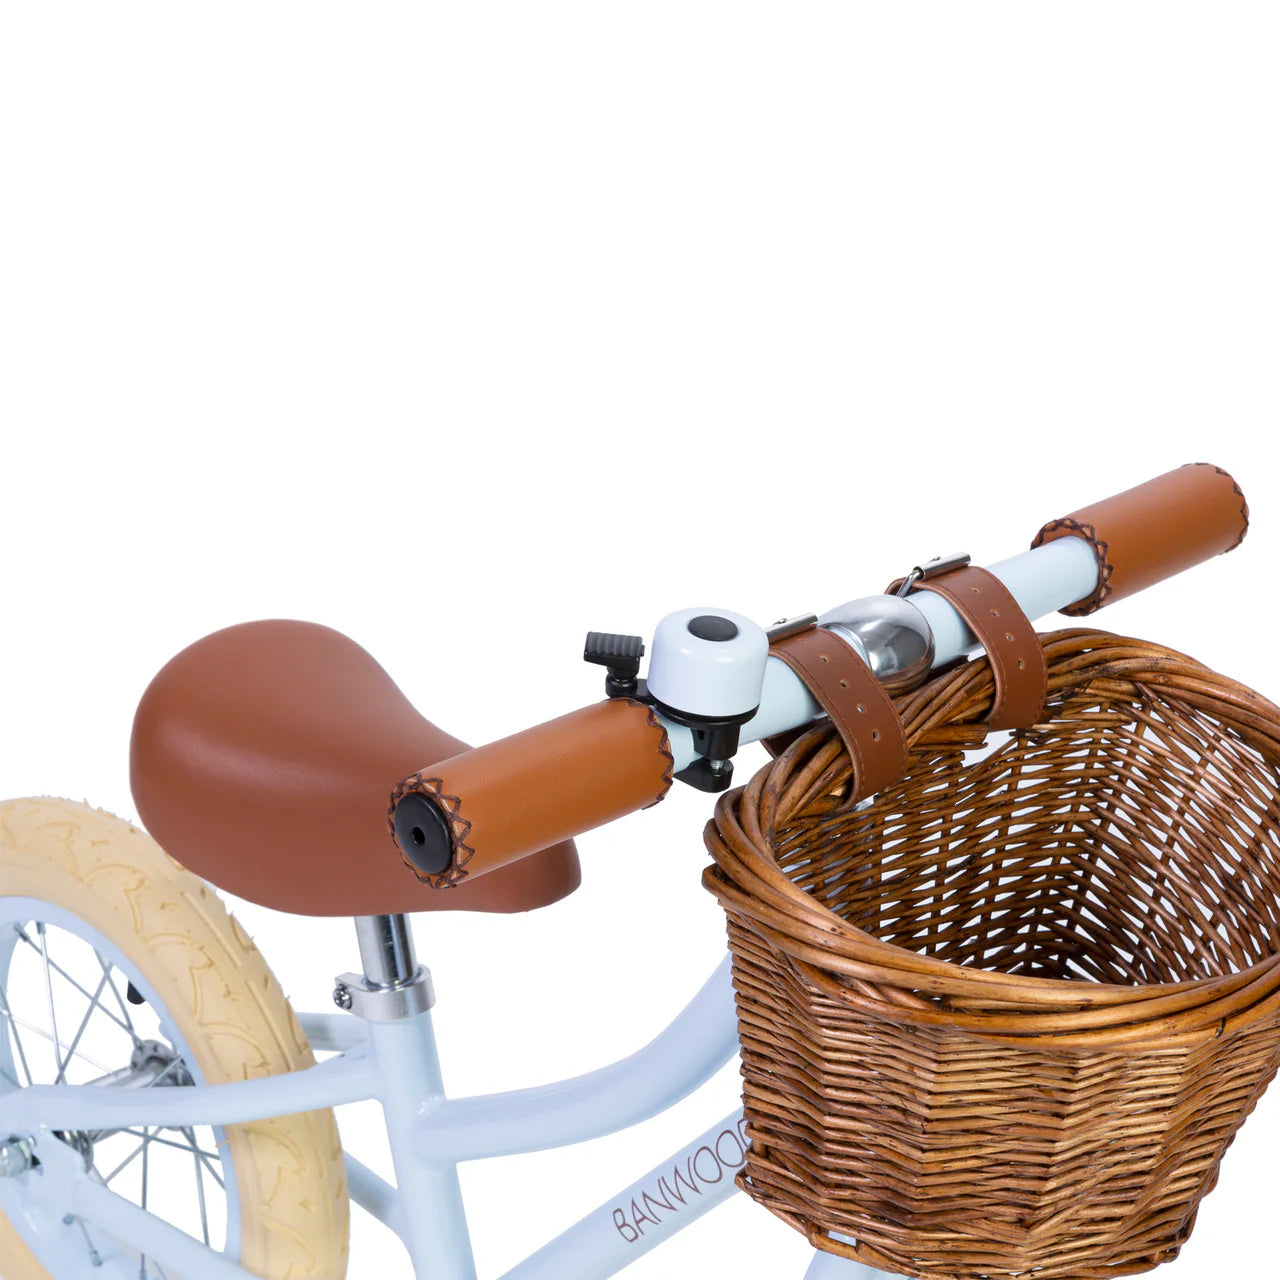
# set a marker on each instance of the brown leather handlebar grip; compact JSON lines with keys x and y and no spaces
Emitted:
{"x":1155,"y":530}
{"x":493,"y":805}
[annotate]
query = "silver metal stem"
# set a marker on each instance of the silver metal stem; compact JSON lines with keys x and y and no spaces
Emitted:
{"x":386,"y":950}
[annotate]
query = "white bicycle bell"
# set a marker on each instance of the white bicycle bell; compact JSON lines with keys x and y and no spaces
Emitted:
{"x":708,"y":664}
{"x":706,"y":670}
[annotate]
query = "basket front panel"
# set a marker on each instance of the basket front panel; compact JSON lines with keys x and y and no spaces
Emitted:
{"x":944,"y":1155}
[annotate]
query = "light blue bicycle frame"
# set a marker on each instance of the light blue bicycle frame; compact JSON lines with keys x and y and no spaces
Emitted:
{"x":396,"y":1064}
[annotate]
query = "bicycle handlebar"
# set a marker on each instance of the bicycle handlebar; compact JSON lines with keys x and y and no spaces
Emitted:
{"x":495,"y":804}
{"x":527,"y":792}
{"x":1155,"y":530}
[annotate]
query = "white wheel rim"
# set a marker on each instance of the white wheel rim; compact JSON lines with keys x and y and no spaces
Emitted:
{"x":66,"y":1248}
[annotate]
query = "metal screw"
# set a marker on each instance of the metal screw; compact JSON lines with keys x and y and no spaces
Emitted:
{"x":342,"y":996}
{"x":16,"y":1157}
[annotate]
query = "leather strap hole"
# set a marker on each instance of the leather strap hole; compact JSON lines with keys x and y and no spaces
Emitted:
{"x":1008,"y":644}
{"x":844,"y":684}
{"x":875,"y":735}
{"x":823,"y":657}
{"x":862,"y":706}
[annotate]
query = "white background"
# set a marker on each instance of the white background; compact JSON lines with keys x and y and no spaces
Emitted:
{"x":466,"y":328}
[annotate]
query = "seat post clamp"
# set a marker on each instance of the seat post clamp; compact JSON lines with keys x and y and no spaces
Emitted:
{"x":393,"y":1003}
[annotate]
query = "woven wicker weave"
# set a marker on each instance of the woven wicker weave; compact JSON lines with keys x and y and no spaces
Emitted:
{"x":1006,"y":1018}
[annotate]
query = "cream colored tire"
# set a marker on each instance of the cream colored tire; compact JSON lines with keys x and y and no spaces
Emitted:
{"x":224,"y":1001}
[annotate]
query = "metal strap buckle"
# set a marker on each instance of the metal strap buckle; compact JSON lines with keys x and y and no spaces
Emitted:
{"x":934,"y":568}
{"x":785,"y":627}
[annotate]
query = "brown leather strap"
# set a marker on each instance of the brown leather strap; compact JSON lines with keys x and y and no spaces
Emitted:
{"x":1007,"y":635}
{"x":860,"y":709}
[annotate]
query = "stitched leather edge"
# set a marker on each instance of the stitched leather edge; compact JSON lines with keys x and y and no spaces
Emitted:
{"x":1244,"y":505}
{"x":664,"y":747}
{"x":1101,"y":550}
{"x":459,"y":828}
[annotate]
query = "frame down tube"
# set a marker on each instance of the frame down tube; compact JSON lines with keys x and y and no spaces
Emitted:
{"x":670,"y":1197}
{"x":701,"y":1040}
{"x":676,"y":1062}
{"x":650,"y":1211}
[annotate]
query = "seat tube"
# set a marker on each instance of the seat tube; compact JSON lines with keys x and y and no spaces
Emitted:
{"x":395,"y":998}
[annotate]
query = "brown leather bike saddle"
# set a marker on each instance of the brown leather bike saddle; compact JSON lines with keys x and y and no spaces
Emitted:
{"x":261,"y":758}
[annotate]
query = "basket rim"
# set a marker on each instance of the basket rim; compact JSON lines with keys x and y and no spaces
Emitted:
{"x":747,"y":880}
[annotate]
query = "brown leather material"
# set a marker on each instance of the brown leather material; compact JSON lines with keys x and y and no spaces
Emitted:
{"x":1155,"y":530}
{"x":261,"y":760}
{"x":1009,"y":638}
{"x":862,"y":712}
{"x":556,"y":780}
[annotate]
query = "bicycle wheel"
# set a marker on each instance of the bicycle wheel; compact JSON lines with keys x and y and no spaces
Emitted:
{"x":120,"y":969}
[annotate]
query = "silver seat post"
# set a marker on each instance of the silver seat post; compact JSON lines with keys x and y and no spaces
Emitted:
{"x":386,"y":950}
{"x":393,"y":985}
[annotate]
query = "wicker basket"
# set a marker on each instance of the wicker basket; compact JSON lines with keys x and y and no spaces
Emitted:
{"x":1005,"y":1019}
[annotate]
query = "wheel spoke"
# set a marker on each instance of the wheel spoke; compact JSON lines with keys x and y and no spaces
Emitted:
{"x":17,"y":1039}
{"x":48,"y":989}
{"x":146,"y":1158}
{"x":84,"y":1023}
{"x":123,"y":1165}
{"x":197,"y":1150}
{"x":213,"y":1169}
{"x":195,"y":1156}
{"x":58,"y":969}
{"x":124,"y":1008}
{"x":44,"y":1035}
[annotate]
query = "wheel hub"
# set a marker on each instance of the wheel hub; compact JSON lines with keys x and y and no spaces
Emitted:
{"x":152,"y":1065}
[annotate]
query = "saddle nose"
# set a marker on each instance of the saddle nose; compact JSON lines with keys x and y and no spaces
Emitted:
{"x":262,"y":757}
